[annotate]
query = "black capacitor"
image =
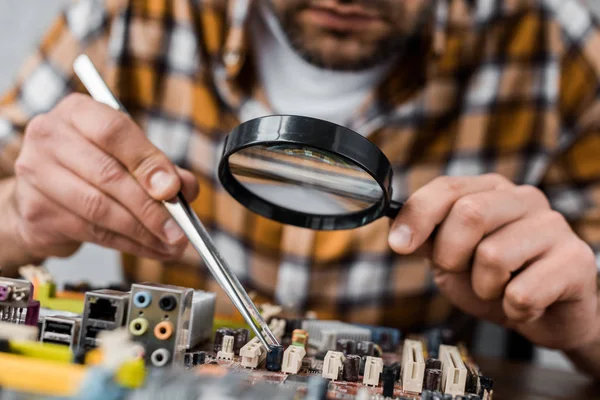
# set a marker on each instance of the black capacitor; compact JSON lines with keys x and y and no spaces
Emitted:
{"x":426,"y":394}
{"x":472,"y":379}
{"x":365,"y":348}
{"x":351,"y":368}
{"x":240,"y":338}
{"x":397,"y":369}
{"x":386,"y":342}
{"x":460,"y":397}
{"x":317,"y":388}
{"x":388,"y":380}
{"x":474,"y":397}
{"x":346,"y":346}
{"x":291,"y":325}
{"x":274,"y":358}
{"x":433,"y":379}
{"x":447,"y":396}
{"x":486,"y":384}
{"x":193,"y":359}
{"x":219,"y":337}
{"x":433,"y":363}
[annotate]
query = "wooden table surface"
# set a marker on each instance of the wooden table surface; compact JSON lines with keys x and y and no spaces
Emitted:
{"x":514,"y":381}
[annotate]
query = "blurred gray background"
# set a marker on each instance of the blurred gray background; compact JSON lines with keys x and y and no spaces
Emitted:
{"x":21,"y":24}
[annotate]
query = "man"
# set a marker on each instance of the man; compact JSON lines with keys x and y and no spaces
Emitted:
{"x":488,"y":111}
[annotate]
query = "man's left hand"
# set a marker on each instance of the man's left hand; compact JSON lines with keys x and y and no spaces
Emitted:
{"x":501,"y":253}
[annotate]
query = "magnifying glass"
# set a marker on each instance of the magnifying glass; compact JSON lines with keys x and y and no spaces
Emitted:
{"x":307,"y":172}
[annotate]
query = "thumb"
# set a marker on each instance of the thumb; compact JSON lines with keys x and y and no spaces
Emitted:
{"x":456,"y":287}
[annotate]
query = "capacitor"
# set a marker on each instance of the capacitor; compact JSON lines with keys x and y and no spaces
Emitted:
{"x":219,"y":337}
{"x":459,"y":397}
{"x":365,"y":348}
{"x":474,"y":396}
{"x":351,"y":368}
{"x":433,"y":379}
{"x":434,"y":340}
{"x":240,"y":338}
{"x":317,"y":388}
{"x":300,"y":338}
{"x":386,"y":341}
{"x":447,"y":396}
{"x":433,"y":363}
{"x":486,"y":383}
{"x":346,"y":346}
{"x":291,"y":325}
{"x":388,"y":380}
{"x":274,"y":358}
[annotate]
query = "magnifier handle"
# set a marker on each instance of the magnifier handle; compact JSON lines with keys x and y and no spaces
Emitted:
{"x":393,"y":209}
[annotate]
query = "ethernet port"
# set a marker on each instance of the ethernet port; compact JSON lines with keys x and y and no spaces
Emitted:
{"x":103,"y":310}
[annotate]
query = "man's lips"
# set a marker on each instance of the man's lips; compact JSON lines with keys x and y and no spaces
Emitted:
{"x":343,"y":19}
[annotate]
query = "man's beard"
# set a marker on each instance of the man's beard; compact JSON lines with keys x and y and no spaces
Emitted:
{"x":393,"y":45}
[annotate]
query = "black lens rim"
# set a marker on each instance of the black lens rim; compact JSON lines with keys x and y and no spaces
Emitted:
{"x":313,"y":133}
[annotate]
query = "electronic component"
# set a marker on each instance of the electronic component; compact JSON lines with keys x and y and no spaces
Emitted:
{"x":387,"y":381}
{"x":413,"y":366}
{"x":159,"y":318}
{"x":373,"y":369}
{"x":454,"y":372}
{"x":103,"y":310}
{"x":300,"y":337}
{"x":253,"y":353}
{"x":275,"y":358}
{"x":365,"y":348}
{"x":61,"y":330}
{"x":486,"y":386}
{"x":240,"y":338}
{"x":219,"y":334}
{"x":16,"y":302}
{"x":324,"y":334}
{"x":433,"y":379}
{"x":226,"y":352}
{"x":292,"y":359}
{"x":195,"y":358}
{"x":333,"y":365}
{"x":351,"y":368}
{"x":346,"y":346}
{"x":201,"y":318}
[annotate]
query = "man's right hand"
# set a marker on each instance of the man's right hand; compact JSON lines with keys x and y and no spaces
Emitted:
{"x":87,"y":173}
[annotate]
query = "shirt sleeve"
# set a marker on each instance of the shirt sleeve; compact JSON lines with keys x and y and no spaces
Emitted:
{"x":572,"y":180}
{"x":47,"y":75}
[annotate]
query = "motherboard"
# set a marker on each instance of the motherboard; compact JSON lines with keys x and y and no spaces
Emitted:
{"x":159,"y":341}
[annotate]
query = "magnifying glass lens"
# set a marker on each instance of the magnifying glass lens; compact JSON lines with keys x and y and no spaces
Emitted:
{"x":305,"y":179}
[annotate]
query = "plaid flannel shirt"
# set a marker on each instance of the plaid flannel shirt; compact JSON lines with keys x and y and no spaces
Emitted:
{"x":490,"y":86}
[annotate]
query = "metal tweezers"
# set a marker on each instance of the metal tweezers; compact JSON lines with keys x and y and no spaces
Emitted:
{"x":187,"y":219}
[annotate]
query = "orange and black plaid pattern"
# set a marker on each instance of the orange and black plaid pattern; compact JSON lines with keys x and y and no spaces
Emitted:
{"x":491,"y":86}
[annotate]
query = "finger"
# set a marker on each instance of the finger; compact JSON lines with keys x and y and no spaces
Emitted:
{"x":104,"y":172}
{"x":546,"y":282}
{"x":476,"y":215}
{"x":118,"y":135}
{"x":503,"y":252}
{"x":428,"y":207}
{"x":190,"y":187}
{"x":89,"y":203}
{"x":51,"y":229}
{"x":456,"y":287}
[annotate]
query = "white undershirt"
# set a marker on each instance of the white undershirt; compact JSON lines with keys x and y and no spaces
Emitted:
{"x":294,"y":86}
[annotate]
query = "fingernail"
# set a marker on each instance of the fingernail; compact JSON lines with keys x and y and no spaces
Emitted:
{"x":160,"y":182}
{"x":400,"y":237}
{"x":172,"y":231}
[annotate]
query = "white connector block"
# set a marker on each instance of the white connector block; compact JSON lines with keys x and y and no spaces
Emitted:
{"x":333,"y":364}
{"x":253,"y":353}
{"x":226,"y":352}
{"x":413,"y":366}
{"x":292,"y":359}
{"x":373,"y":369}
{"x":454,"y":372}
